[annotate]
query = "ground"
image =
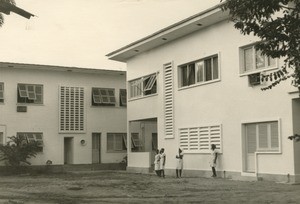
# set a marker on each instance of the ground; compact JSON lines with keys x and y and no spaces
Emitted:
{"x":122,"y":187}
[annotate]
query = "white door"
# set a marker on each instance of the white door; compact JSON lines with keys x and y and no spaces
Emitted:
{"x":250,"y":149}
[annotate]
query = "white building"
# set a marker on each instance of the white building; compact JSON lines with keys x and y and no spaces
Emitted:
{"x":78,"y":115}
{"x":194,"y":84}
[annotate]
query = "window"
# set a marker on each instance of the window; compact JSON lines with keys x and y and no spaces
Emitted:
{"x":71,"y":109}
{"x":199,"y":72}
{"x":262,"y":136}
{"x":103,"y":97}
{"x":1,"y":92}
{"x":154,"y":141}
{"x":116,"y":142}
{"x":144,"y":86}
{"x":168,"y":101}
{"x":123,"y":97}
{"x":30,"y":93}
{"x":199,"y":139}
{"x":253,"y":60}
{"x":30,"y":137}
{"x":136,"y":141}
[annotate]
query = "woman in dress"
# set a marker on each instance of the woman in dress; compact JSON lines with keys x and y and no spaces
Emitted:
{"x":157,"y":163}
{"x":179,"y":166}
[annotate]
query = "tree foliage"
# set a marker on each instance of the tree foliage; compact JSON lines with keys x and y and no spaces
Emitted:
{"x":277,"y":24}
{"x":1,"y":15}
{"x":17,"y":151}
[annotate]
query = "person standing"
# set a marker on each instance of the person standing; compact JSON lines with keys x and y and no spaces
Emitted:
{"x":179,"y":166}
{"x":213,"y":162}
{"x":162,"y":162}
{"x":157,"y":163}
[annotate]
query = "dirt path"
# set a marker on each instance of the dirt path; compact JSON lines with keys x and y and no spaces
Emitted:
{"x":122,"y":187}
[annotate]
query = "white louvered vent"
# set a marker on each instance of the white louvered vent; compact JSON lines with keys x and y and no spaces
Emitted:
{"x":71,"y":109}
{"x":199,"y":139}
{"x":168,"y":100}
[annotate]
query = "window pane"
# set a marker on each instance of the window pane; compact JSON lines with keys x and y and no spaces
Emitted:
{"x":208,"y":70}
{"x":271,"y":62}
{"x":110,"y":142}
{"x":263,"y":135}
{"x":191,"y":74}
{"x":248,"y":59}
{"x":215,"y":68}
{"x":274,"y":135}
{"x":23,"y":90}
{"x":184,"y":76}
{"x":200,"y":70}
{"x":118,"y":142}
{"x":260,"y":59}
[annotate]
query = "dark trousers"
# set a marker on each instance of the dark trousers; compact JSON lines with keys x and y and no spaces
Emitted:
{"x":214,"y":171}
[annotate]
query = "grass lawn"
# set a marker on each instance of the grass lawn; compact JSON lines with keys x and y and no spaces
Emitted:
{"x":122,"y":187}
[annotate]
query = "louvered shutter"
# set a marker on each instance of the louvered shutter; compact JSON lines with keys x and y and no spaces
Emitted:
{"x":274,"y":135}
{"x":251,"y":138}
{"x":168,"y":101}
{"x":263,"y":136}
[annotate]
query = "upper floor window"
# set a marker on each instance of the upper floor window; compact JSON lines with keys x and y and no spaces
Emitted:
{"x":123,"y":97}
{"x":143,"y":86}
{"x":116,"y":142}
{"x":199,"y":71}
{"x":103,"y":97}
{"x":30,"y":93}
{"x":252,"y":60}
{"x":1,"y":92}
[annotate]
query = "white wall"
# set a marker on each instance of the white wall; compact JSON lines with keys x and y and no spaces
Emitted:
{"x":228,"y":102}
{"x":44,"y":118}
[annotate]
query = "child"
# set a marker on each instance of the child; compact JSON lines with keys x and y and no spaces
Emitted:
{"x":162,"y":162}
{"x":213,"y":162}
{"x":157,"y":163}
{"x":179,"y":166}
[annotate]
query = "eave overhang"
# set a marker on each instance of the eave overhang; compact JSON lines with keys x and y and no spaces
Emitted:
{"x":182,"y":28}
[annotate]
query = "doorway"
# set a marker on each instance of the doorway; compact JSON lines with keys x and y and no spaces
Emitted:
{"x":68,"y":150}
{"x":96,"y":148}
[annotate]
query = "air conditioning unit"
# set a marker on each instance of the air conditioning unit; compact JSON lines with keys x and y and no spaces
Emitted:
{"x":254,"y":79}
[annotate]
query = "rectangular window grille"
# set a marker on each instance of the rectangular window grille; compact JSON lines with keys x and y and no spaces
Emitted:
{"x":200,"y":139}
{"x":116,"y":141}
{"x":200,"y":71}
{"x":168,"y":101}
{"x":123,"y":97}
{"x":1,"y":92}
{"x":71,"y":109}
{"x":30,"y":93}
{"x":143,"y":86}
{"x":103,"y":97}
{"x":32,"y":137}
{"x":253,"y":59}
{"x":262,"y":136}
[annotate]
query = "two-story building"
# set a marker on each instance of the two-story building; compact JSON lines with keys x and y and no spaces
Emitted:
{"x":196,"y":83}
{"x":78,"y":115}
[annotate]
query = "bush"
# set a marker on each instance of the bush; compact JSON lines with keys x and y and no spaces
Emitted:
{"x":18,"y":150}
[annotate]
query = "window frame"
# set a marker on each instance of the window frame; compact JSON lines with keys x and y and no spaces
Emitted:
{"x":197,"y":72}
{"x":2,"y":92}
{"x":23,"y":98}
{"x":143,"y":87}
{"x":101,"y":97}
{"x":114,"y":136}
{"x":269,"y":149}
{"x":254,"y":69}
{"x":190,"y":138}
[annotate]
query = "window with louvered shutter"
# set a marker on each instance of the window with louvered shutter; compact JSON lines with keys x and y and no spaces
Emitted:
{"x":71,"y":110}
{"x":30,"y":93}
{"x":168,"y":100}
{"x":103,"y":97}
{"x":262,"y":137}
{"x":144,"y":86}
{"x":200,"y":139}
{"x":33,"y":137}
{"x":116,"y":142}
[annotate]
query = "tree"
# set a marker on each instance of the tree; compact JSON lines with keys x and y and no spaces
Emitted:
{"x":7,"y":6}
{"x":17,"y":151}
{"x":277,"y":24}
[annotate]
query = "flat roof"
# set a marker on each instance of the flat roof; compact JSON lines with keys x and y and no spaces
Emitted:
{"x":182,"y":28}
{"x":12,"y":65}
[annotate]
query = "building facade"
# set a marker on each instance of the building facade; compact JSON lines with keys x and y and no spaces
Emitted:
{"x":196,"y":83}
{"x":77,"y":115}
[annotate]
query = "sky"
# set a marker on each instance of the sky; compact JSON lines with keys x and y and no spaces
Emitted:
{"x":79,"y":33}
